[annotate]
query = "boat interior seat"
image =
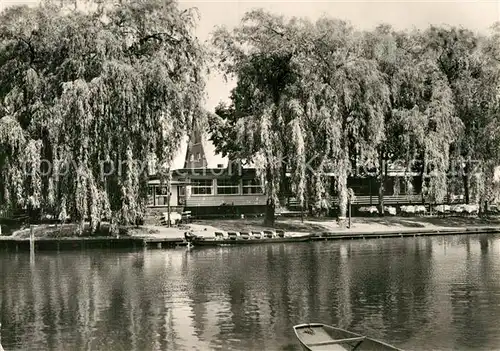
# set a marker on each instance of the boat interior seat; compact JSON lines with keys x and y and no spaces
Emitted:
{"x":268,"y":234}
{"x":257,"y":235}
{"x":244,"y":235}
{"x":338,"y":341}
{"x":337,"y":347}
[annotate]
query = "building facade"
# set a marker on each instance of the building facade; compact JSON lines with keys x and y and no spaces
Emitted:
{"x":208,"y":189}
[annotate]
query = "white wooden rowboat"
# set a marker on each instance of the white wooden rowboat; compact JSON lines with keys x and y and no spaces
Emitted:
{"x":321,"y":337}
{"x":1,"y":348}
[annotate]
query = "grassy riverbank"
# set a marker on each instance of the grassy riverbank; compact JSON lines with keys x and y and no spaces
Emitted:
{"x":70,"y":230}
{"x":291,"y":225}
{"x":369,"y":224}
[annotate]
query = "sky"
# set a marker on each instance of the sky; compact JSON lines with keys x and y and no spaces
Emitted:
{"x":476,"y":15}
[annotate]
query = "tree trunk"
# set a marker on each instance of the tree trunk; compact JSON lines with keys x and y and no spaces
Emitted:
{"x":349,"y":204}
{"x":466,"y":182}
{"x":342,"y":201}
{"x":270,"y":213}
{"x":306,"y":204}
{"x":303,"y":204}
{"x":342,"y":187}
{"x":113,"y":224}
{"x":81,"y":225}
{"x":381,"y":185}
{"x":93,"y":225}
{"x":423,"y":177}
{"x":483,"y":208}
{"x":486,"y":187}
{"x":93,"y":209}
{"x":283,"y":190}
{"x":168,"y":208}
{"x":270,"y":204}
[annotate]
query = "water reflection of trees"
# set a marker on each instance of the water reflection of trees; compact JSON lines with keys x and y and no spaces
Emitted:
{"x":88,"y":302}
{"x":260,"y":291}
{"x":303,"y":284}
{"x":259,"y":284}
{"x":475,"y":297}
{"x":248,"y":297}
{"x":390,"y":288}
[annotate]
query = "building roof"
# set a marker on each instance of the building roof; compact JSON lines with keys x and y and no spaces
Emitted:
{"x":212,"y":159}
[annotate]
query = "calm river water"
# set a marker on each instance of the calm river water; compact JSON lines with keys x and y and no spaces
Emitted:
{"x":440,"y":293}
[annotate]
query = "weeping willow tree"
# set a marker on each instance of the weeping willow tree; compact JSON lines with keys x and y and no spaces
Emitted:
{"x":381,"y":46}
{"x":487,"y":101}
{"x":424,"y":112}
{"x":378,"y":96}
{"x":87,"y":97}
{"x":309,"y":96}
{"x":393,"y":51}
{"x":345,"y":99}
{"x":258,"y":126}
{"x":466,"y":59}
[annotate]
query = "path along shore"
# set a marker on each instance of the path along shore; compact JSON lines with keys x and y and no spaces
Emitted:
{"x":64,"y":237}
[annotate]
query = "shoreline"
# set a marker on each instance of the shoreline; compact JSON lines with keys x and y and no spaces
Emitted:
{"x":156,"y":237}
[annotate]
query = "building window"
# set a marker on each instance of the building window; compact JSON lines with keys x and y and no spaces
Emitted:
{"x":151,"y":194}
{"x":252,"y":186}
{"x":201,"y":186}
{"x":161,"y":198}
{"x":181,"y":191}
{"x":228,"y":186}
{"x":157,"y":196}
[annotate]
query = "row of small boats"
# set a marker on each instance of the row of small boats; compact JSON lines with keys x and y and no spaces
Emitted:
{"x":245,"y":237}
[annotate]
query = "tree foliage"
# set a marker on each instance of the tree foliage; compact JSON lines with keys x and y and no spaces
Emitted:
{"x":322,"y":95}
{"x":86,"y":97}
{"x":467,"y":61}
{"x":310,"y":94}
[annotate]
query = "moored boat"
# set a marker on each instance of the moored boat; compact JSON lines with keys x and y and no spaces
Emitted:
{"x":322,"y":337}
{"x":244,"y":238}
